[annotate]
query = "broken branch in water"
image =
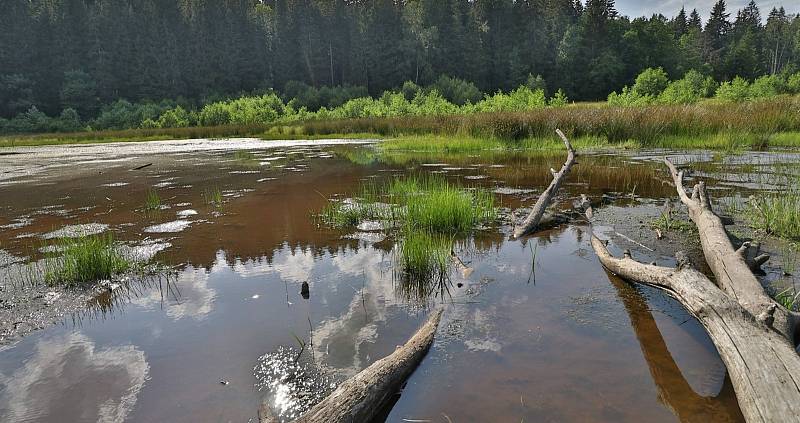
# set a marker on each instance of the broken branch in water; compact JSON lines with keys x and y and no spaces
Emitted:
{"x":531,"y":223}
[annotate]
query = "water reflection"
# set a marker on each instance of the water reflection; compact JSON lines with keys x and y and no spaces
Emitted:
{"x":50,"y":385}
{"x":674,"y":391}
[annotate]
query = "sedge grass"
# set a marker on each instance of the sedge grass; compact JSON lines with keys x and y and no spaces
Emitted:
{"x":776,"y":214}
{"x":213,"y":196}
{"x":84,"y":260}
{"x":152,"y":201}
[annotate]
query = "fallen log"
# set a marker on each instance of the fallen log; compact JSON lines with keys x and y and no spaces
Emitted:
{"x":729,"y":265}
{"x":531,"y":223}
{"x":365,"y":395}
{"x":754,"y":335}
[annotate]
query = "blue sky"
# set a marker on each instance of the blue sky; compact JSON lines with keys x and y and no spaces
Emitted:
{"x":669,"y":8}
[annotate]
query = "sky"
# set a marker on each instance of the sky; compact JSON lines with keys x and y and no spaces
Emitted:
{"x":669,"y":8}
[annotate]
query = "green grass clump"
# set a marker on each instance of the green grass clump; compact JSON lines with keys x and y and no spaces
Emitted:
{"x":435,"y":205}
{"x":213,"y":196}
{"x":776,"y":214}
{"x":85,"y":260}
{"x":789,"y":298}
{"x":666,"y":222}
{"x":152,"y":201}
{"x":422,"y":263}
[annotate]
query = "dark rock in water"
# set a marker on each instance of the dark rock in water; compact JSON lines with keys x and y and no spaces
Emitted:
{"x":304,"y":291}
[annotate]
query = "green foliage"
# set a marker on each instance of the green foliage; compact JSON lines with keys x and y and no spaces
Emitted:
{"x":85,"y":260}
{"x":736,"y":90}
{"x":650,"y":83}
{"x":299,"y":95}
{"x":628,"y":98}
{"x":777,"y":214}
{"x":172,"y":118}
{"x":519,"y":100}
{"x":767,"y":86}
{"x":152,"y":201}
{"x":79,"y":92}
{"x":691,"y":89}
{"x":793,"y":84}
{"x":457,"y":91}
{"x":536,"y":83}
{"x":559,"y":99}
{"x":213,"y":196}
{"x":423,"y":257}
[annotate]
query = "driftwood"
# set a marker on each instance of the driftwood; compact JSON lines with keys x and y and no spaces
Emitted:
{"x":365,"y":395}
{"x":754,"y":335}
{"x":532,"y":222}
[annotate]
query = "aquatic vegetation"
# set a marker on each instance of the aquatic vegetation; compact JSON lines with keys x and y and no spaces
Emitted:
{"x":776,"y":213}
{"x":213,"y":196}
{"x":426,"y":214}
{"x":422,"y":263}
{"x":152,"y":201}
{"x":84,"y":260}
{"x":666,"y":222}
{"x":789,"y":298}
{"x":435,"y":205}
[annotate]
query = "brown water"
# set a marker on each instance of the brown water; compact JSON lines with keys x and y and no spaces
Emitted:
{"x":562,"y":342}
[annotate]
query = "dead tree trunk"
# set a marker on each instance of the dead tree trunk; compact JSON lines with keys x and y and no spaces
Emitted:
{"x":362,"y":397}
{"x":753,"y":334}
{"x":531,"y":223}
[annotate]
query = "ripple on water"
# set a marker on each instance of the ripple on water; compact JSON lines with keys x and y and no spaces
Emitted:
{"x":186,"y":213}
{"x":169,"y":227}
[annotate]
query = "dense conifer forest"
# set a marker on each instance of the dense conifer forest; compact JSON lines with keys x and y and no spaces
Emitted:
{"x":83,"y":59}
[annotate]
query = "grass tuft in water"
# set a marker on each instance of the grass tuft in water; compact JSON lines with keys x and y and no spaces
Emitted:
{"x":152,"y":202}
{"x":422,"y":263}
{"x":85,"y":260}
{"x":213,"y":196}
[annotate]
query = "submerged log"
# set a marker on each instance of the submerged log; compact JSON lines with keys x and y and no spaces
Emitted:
{"x":531,"y":223}
{"x":754,"y":335}
{"x":365,"y":395}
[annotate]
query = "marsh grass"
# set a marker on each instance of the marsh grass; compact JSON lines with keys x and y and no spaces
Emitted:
{"x":152,"y":201}
{"x":213,"y":196}
{"x":426,"y":214}
{"x":422,"y":264}
{"x":789,"y":298}
{"x":83,"y":260}
{"x":776,"y":214}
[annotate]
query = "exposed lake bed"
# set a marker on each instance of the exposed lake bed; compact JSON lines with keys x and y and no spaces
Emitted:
{"x":536,"y":330}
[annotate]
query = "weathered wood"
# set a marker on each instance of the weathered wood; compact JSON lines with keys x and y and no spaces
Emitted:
{"x":763,"y":365}
{"x":362,"y":397}
{"x":531,"y":223}
{"x":730,"y":266}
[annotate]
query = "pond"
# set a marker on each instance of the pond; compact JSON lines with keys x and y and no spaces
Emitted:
{"x":533,"y":330}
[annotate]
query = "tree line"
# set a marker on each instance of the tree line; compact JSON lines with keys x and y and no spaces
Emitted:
{"x":75,"y":56}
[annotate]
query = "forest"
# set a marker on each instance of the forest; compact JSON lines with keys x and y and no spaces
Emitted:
{"x":69,"y":65}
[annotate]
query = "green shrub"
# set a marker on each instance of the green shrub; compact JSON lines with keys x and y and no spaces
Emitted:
{"x":559,"y":99}
{"x":793,"y":84}
{"x":736,"y":90}
{"x":767,"y":86}
{"x":691,"y":89}
{"x":457,"y":91}
{"x":519,"y":100}
{"x":174,"y":118}
{"x":410,"y":90}
{"x":536,"y":83}
{"x":628,"y":98}
{"x":651,"y":82}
